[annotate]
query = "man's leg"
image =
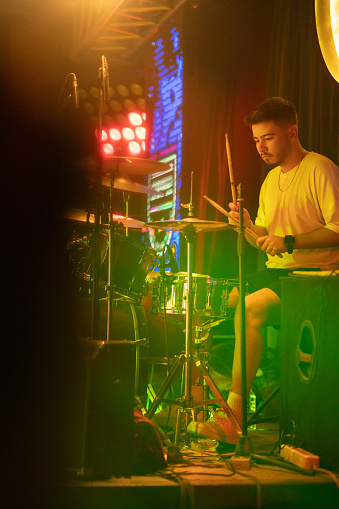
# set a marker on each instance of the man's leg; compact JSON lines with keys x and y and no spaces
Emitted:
{"x":262,"y":308}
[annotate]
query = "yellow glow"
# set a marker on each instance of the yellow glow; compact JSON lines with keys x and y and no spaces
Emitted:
{"x":334,"y":10}
{"x":327,"y":20}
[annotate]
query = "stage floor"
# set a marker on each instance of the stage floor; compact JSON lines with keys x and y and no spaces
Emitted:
{"x":207,"y":480}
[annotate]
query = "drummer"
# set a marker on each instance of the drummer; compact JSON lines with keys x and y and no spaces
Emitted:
{"x":297,"y":226}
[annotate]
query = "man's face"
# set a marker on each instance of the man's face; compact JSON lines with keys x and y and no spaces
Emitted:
{"x":273,"y":142}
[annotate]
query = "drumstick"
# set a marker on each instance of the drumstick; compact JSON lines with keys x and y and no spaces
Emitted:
{"x":223,"y":211}
{"x":230,"y":169}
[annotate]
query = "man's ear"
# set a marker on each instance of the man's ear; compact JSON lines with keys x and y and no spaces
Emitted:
{"x":293,"y":133}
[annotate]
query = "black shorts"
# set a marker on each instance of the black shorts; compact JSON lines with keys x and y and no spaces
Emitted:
{"x":269,"y":278}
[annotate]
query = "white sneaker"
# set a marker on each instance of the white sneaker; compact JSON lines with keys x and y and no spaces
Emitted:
{"x":218,"y":427}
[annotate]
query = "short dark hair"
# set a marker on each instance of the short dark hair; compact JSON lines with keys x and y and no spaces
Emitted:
{"x":280,"y":110}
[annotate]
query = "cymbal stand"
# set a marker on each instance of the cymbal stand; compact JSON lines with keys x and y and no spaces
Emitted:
{"x":185,"y":360}
{"x":110,"y":288}
{"x":244,"y":446}
{"x":126,"y":198}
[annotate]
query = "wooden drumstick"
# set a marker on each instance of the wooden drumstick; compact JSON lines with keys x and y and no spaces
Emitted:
{"x":230,"y":170}
{"x":223,"y":211}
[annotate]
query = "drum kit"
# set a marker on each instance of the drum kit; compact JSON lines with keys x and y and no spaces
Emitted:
{"x":126,"y":266}
{"x":113,"y":261}
{"x":130,"y":272}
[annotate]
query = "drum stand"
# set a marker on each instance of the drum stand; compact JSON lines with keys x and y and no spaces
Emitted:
{"x":186,"y":360}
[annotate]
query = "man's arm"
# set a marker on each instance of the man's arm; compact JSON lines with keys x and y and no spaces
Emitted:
{"x":259,"y":231}
{"x":323,"y":237}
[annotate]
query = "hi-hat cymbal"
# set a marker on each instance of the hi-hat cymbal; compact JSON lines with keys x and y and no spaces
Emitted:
{"x":125,"y":184}
{"x":189,"y":224}
{"x":127,"y":165}
{"x":84,"y":217}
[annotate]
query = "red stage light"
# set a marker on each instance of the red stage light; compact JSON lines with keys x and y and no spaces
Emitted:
{"x":134,"y":147}
{"x":108,"y":148}
{"x":115,"y":134}
{"x":128,"y":133}
{"x":141,"y":133}
{"x":135,"y":118}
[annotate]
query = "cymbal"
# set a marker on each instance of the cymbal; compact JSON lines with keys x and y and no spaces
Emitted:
{"x":84,"y":217}
{"x":125,"y":184}
{"x":127,"y":165}
{"x":189,"y":224}
{"x":129,"y":222}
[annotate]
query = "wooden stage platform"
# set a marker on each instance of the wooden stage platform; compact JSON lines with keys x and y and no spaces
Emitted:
{"x":208,"y":480}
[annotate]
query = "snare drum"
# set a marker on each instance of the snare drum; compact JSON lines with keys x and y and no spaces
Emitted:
{"x":218,"y":295}
{"x":175,"y":300}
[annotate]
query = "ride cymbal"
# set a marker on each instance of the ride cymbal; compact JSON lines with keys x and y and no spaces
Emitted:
{"x":189,"y":224}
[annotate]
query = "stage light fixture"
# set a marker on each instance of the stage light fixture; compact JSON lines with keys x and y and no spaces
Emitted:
{"x":129,"y":104}
{"x":128,"y":133}
{"x":123,"y":118}
{"x":115,"y":134}
{"x":108,"y":149}
{"x":122,"y":90}
{"x":134,"y":147}
{"x":115,"y":105}
{"x":135,"y":118}
{"x":140,"y":132}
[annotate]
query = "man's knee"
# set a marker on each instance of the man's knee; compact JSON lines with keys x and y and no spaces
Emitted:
{"x":233,"y":298}
{"x":262,"y":308}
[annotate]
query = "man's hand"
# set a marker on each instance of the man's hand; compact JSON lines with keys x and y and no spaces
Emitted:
{"x":235,"y":214}
{"x":272,"y":244}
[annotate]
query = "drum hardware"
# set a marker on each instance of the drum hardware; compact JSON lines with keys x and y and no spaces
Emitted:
{"x":112,"y":167}
{"x":189,"y":227}
{"x":244,"y":446}
{"x":199,"y":339}
{"x":111,"y":256}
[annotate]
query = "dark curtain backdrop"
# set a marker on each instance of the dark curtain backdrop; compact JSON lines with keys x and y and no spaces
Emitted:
{"x":226,"y":59}
{"x":298,"y":72}
{"x":236,"y":54}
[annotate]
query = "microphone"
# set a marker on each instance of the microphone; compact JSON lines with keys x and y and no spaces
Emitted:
{"x":76,"y":91}
{"x":172,"y":259}
{"x":105,"y":78}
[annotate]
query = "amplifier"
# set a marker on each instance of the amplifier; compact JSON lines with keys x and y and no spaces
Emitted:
{"x":309,"y":336}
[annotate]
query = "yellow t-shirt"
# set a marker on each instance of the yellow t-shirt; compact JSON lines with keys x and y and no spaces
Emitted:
{"x":300,"y":201}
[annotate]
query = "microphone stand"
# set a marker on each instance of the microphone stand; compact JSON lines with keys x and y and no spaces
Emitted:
{"x":104,"y":97}
{"x":85,"y":469}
